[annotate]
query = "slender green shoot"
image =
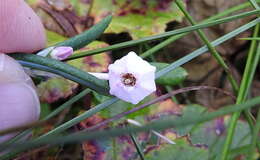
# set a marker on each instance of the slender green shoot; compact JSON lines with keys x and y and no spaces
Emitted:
{"x":157,"y":125}
{"x":138,"y":147}
{"x":254,"y":140}
{"x":252,"y":61}
{"x":212,"y":50}
{"x":163,"y":35}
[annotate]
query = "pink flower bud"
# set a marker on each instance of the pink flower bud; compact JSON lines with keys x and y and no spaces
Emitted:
{"x":61,"y":53}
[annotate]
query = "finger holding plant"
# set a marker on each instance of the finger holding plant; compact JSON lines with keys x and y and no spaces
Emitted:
{"x":25,"y":33}
{"x":129,"y":79}
{"x":20,"y":31}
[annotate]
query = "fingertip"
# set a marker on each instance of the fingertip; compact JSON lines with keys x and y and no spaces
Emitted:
{"x":21,"y":29}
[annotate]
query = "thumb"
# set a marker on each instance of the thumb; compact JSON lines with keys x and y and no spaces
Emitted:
{"x":19,"y":103}
{"x":20,"y":28}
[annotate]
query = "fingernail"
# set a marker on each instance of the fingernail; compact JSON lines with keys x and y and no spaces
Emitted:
{"x":2,"y":58}
{"x":35,"y":99}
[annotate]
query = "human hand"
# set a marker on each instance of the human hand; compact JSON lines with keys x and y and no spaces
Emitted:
{"x":20,"y":28}
{"x":20,"y":31}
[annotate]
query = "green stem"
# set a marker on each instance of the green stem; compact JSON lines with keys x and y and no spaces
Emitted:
{"x":67,"y":104}
{"x":138,"y":147}
{"x":204,"y":49}
{"x":254,"y":138}
{"x":254,"y":4}
{"x":174,"y":99}
{"x":174,"y":38}
{"x":215,"y":54}
{"x":252,"y":60}
{"x":80,"y":118}
{"x":157,"y":125}
{"x":81,"y":40}
{"x":163,"y":35}
{"x":240,"y":150}
{"x":251,"y":64}
{"x":212,"y":50}
{"x":114,"y":148}
{"x":90,"y":8}
{"x":162,"y":72}
{"x":62,"y":69}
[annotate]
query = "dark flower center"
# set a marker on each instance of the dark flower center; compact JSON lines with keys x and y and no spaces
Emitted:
{"x":128,"y":79}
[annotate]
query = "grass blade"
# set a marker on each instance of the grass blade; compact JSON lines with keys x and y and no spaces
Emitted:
{"x":163,"y":35}
{"x":88,"y":36}
{"x":243,"y":92}
{"x":158,"y":125}
{"x":204,"y":49}
{"x":212,"y":50}
{"x":62,"y":69}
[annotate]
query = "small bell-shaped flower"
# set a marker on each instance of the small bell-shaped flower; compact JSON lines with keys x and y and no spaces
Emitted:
{"x":131,"y":78}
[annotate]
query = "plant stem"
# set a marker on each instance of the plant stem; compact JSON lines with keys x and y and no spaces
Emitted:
{"x":174,"y":38}
{"x":137,"y":146}
{"x":158,"y":125}
{"x":213,"y":51}
{"x":91,"y":4}
{"x":163,"y":35}
{"x":174,"y":99}
{"x":252,"y":61}
{"x":170,"y":94}
{"x":204,"y":49}
{"x":254,"y":4}
{"x":254,"y":139}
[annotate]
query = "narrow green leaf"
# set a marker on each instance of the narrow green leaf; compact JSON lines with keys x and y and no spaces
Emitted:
{"x":248,"y":75}
{"x":212,"y":50}
{"x":204,"y":49}
{"x":88,"y":36}
{"x":251,"y":38}
{"x":158,"y":125}
{"x":163,"y":35}
{"x":174,"y":77}
{"x":62,"y":69}
{"x":137,"y":146}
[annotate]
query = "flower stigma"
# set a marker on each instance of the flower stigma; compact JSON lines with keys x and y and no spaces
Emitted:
{"x":128,"y":79}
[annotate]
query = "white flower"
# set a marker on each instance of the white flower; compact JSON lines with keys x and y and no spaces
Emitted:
{"x":131,"y":78}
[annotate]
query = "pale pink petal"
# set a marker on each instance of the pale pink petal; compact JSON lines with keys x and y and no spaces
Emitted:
{"x":61,"y":53}
{"x":138,"y":71}
{"x":137,"y":65}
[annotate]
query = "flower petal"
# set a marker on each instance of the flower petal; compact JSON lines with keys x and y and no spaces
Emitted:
{"x":143,"y":78}
{"x":61,"y":53}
